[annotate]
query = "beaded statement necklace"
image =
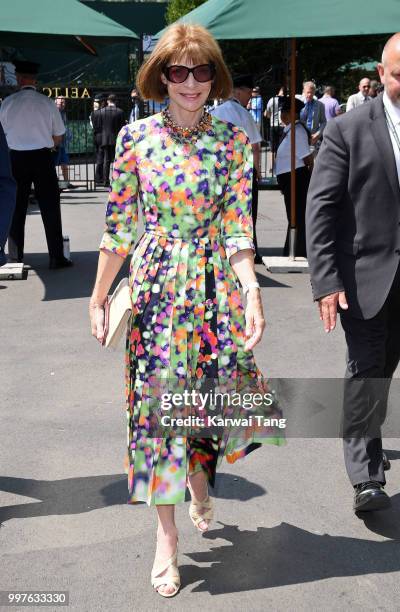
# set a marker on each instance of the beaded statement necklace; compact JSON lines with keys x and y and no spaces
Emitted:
{"x":186,"y":135}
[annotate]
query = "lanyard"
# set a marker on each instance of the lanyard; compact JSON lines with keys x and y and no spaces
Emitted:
{"x":392,"y":128}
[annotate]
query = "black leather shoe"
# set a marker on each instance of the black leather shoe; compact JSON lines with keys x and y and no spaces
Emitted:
{"x":370,"y":496}
{"x":386,"y":462}
{"x":62,"y":262}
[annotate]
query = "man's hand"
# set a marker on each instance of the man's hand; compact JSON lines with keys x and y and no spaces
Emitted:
{"x":314,"y":138}
{"x":328,"y":309}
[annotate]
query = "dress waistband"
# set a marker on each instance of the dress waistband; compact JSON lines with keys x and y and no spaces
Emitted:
{"x":190,"y":238}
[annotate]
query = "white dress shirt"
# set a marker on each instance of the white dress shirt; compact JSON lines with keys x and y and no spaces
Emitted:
{"x":283,"y":154}
{"x":233,"y":112}
{"x":275,"y":113}
{"x":394,"y":113}
{"x":355,"y":100}
{"x":30,"y":119}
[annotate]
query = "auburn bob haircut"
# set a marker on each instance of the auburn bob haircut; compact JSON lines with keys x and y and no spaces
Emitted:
{"x":183,"y":42}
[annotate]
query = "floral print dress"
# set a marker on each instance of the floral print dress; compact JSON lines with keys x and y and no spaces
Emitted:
{"x":187,"y":314}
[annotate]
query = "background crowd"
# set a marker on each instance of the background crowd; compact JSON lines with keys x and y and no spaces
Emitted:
{"x":40,"y":130}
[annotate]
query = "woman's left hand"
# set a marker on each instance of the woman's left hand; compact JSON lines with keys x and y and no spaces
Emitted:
{"x":255,"y":322}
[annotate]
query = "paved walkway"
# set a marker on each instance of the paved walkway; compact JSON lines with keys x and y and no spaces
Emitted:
{"x":285,"y":537}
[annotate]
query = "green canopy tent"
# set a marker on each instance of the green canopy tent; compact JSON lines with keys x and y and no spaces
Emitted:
{"x":58,"y":24}
{"x":243,"y":19}
{"x":291,"y":19}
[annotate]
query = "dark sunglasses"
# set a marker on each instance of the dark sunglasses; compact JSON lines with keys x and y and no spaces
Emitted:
{"x":178,"y":74}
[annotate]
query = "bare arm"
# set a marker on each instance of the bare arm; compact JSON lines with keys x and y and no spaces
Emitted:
{"x":121,"y":225}
{"x":57,"y":140}
{"x":108,"y":267}
{"x":242,"y":264}
{"x":237,"y":234}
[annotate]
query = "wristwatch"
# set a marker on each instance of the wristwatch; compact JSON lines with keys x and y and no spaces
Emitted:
{"x":248,"y":286}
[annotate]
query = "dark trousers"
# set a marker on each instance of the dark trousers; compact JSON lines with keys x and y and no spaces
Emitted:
{"x":98,"y":175}
{"x":35,"y":167}
{"x":275,"y":136}
{"x":373,"y":353}
{"x":254,"y":208}
{"x":109,"y":154}
{"x":302,"y":182}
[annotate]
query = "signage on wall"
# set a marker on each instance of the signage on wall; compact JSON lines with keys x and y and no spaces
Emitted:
{"x":74,"y":93}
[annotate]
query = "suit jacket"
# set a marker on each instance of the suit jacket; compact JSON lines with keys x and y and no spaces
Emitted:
{"x":95,"y":120}
{"x":8,"y":190}
{"x":318,"y":118}
{"x":111,"y":120}
{"x":353,"y":211}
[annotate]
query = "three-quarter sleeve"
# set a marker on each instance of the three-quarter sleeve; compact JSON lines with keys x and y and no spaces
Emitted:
{"x":236,"y":220}
{"x":122,"y":208}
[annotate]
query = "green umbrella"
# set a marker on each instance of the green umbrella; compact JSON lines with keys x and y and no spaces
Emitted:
{"x":232,"y":19}
{"x":258,"y":19}
{"x":58,"y":24}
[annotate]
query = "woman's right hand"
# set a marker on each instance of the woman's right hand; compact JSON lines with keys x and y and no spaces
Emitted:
{"x":96,"y":313}
{"x":255,"y":322}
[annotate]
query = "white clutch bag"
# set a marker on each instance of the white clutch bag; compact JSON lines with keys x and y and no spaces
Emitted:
{"x":117,"y":312}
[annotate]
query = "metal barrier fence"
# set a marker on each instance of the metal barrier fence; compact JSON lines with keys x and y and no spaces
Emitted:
{"x":79,"y":169}
{"x":79,"y":166}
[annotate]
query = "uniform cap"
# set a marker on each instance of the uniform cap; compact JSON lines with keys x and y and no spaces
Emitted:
{"x":24,"y":67}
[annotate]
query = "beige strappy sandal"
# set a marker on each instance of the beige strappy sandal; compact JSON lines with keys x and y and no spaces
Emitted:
{"x":201,"y":511}
{"x":171,"y":577}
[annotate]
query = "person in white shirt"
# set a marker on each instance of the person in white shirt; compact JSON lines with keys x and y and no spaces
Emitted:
{"x":304,"y":161}
{"x":33,"y":127}
{"x":273,"y":113}
{"x":361,"y":97}
{"x":234,"y":111}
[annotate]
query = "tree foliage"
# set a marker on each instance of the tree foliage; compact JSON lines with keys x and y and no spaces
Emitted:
{"x":178,"y":8}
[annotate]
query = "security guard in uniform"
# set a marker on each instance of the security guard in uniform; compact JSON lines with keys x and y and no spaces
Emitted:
{"x":8,"y":190}
{"x":33,"y":127}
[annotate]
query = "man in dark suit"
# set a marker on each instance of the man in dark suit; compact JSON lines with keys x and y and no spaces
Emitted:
{"x":8,"y":190}
{"x":95,"y":121}
{"x":111,"y":119}
{"x":353,"y":246}
{"x":313,"y":115}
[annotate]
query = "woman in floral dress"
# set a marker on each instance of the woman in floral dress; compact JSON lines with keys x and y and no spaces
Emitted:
{"x":192,"y":174}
